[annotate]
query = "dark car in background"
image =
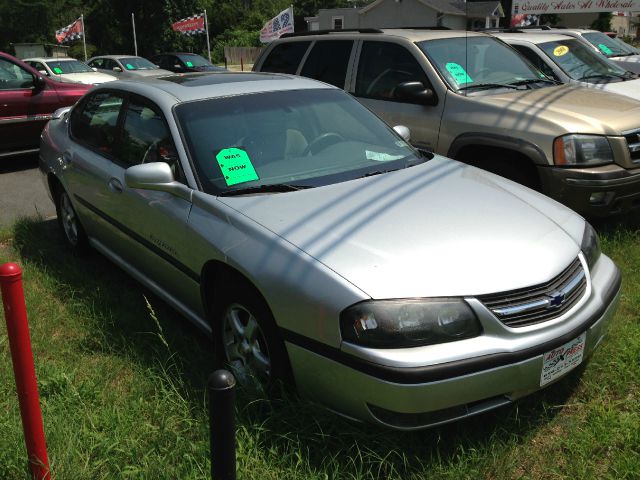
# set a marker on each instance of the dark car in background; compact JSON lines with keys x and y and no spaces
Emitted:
{"x":27,"y":101}
{"x":184,"y":62}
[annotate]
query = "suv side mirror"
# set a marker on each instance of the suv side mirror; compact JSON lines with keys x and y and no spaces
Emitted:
{"x":155,"y":176}
{"x":415,"y":92}
{"x":117,"y":69}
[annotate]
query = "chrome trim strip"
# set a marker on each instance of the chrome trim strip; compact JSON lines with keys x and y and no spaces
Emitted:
{"x":28,"y":118}
{"x":569,"y":287}
{"x":19,"y":152}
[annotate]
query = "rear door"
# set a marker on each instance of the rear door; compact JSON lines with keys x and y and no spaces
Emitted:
{"x":25,"y":106}
{"x":329,"y":61}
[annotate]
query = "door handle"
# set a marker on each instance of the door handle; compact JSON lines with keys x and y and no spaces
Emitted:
{"x":67,"y":158}
{"x":115,"y":185}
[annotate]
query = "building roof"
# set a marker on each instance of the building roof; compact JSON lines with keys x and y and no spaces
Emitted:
{"x":452,"y":7}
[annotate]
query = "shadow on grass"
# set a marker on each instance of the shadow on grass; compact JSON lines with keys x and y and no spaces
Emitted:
{"x":289,"y":427}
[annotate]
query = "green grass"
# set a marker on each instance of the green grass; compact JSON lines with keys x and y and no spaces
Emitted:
{"x":122,"y":386}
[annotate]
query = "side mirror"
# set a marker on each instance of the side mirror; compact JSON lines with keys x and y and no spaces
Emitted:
{"x":39,"y":83}
{"x":176,"y":66}
{"x":94,"y":69}
{"x":415,"y":92}
{"x":61,"y":112}
{"x":117,"y":69}
{"x":155,"y":176}
{"x":44,"y":72}
{"x":403,"y":131}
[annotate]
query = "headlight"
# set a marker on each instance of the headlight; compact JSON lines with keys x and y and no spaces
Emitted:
{"x":577,"y":150}
{"x":408,"y":323}
{"x":590,"y":245}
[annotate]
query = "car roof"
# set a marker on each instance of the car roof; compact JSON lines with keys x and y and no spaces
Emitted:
{"x":411,"y":34}
{"x":50,"y":59}
{"x":532,"y":38}
{"x":115,"y":57}
{"x":171,"y":89}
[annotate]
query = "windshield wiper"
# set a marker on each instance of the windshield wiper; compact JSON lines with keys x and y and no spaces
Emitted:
{"x":268,"y":188}
{"x":529,"y":81}
{"x":601,"y":75}
{"x":487,"y":86}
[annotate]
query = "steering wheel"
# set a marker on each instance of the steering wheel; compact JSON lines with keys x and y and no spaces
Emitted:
{"x":321,"y":142}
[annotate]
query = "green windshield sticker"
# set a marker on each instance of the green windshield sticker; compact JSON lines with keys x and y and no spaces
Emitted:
{"x":189,"y":64}
{"x":236,"y":166}
{"x":129,"y":66}
{"x":459,"y":74}
{"x":57,"y":70}
{"x":604,"y":49}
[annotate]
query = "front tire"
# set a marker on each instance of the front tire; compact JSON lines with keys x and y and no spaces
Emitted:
{"x":72,"y":231}
{"x":247,"y":339}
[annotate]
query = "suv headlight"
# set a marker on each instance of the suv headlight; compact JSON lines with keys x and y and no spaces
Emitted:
{"x":408,"y":323}
{"x":577,"y":150}
{"x":590,"y":245}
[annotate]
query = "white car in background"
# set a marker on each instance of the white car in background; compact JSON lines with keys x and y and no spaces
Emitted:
{"x":614,"y":49}
{"x":569,"y":60}
{"x":69,"y":70}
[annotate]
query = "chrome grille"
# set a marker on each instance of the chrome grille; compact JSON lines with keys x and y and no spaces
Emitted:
{"x":528,"y":306}
{"x":633,"y":142}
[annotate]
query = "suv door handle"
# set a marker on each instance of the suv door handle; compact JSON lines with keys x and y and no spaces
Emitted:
{"x":67,"y":158}
{"x":115,"y":185}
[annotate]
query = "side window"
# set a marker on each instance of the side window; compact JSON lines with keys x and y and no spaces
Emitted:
{"x":13,"y":77}
{"x":328,"y":62}
{"x":146,"y":137}
{"x":110,"y":64}
{"x":97,"y":63}
{"x":94,"y":122}
{"x":285,"y":58}
{"x":382,"y":67}
{"x":536,"y":60}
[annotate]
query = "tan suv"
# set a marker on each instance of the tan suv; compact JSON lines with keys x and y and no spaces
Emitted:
{"x":472,"y":97}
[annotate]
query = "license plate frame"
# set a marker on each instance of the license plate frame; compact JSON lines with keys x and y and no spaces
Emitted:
{"x":560,"y":361}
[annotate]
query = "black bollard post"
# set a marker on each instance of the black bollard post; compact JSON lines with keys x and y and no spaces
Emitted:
{"x":222,"y":425}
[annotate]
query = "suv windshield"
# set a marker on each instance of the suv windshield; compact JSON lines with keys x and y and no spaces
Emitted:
{"x":290,"y":139}
{"x":467,"y":62}
{"x":68,"y":66}
{"x":137,"y":63}
{"x":607,"y":45}
{"x":581,"y":63}
{"x":194,"y":60}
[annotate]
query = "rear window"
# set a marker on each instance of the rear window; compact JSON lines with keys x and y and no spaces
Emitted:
{"x":285,"y":58}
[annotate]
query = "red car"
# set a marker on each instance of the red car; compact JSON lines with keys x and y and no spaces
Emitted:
{"x":27,"y":101}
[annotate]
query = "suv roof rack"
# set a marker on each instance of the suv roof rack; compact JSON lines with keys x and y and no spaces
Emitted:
{"x":326,"y":32}
{"x":516,"y":29}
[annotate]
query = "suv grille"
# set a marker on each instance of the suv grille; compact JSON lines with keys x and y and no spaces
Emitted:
{"x":528,"y":306}
{"x":633,"y":142}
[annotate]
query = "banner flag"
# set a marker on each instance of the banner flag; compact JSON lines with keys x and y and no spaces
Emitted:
{"x":71,"y":32}
{"x":281,"y":23}
{"x":192,"y":25}
{"x":538,"y":7}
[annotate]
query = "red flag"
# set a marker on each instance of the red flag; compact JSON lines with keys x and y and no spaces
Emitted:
{"x":70,"y":32}
{"x":190,"y":25}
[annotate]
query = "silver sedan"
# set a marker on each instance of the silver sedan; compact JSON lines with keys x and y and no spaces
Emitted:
{"x":321,"y":249}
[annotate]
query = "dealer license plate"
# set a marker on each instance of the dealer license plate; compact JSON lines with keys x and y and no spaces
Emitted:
{"x":561,"y":360}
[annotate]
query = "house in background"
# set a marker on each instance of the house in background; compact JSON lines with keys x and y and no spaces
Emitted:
{"x":454,"y":14}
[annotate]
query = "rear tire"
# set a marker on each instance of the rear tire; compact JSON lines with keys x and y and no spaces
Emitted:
{"x":72,"y":231}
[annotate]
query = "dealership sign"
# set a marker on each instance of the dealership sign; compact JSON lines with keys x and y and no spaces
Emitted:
{"x":572,"y":6}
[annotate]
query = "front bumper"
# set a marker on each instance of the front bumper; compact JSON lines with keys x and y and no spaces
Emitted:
{"x":593,"y":192}
{"x":414,"y":398}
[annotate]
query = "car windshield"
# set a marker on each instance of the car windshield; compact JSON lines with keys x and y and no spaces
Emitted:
{"x":60,"y":67}
{"x":580,"y":62}
{"x":607,"y":45}
{"x":137,"y":63}
{"x":290,"y":139}
{"x":469,"y":62}
{"x":626,"y":47}
{"x":194,"y":60}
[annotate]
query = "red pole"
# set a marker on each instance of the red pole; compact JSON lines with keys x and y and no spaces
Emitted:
{"x":15,"y":313}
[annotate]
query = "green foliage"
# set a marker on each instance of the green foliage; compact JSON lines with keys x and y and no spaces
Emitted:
{"x":603,"y":22}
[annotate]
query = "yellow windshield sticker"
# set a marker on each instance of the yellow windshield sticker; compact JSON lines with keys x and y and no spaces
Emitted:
{"x":458,"y":73}
{"x":236,"y":166}
{"x":560,"y":51}
{"x":604,"y":49}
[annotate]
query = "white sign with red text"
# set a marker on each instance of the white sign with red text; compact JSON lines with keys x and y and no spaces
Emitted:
{"x":561,"y":360}
{"x":572,"y":6}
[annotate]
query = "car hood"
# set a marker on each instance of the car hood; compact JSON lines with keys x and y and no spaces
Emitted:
{"x":90,"y":78}
{"x":438,"y":229}
{"x":147,"y":73}
{"x":584,"y":109}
